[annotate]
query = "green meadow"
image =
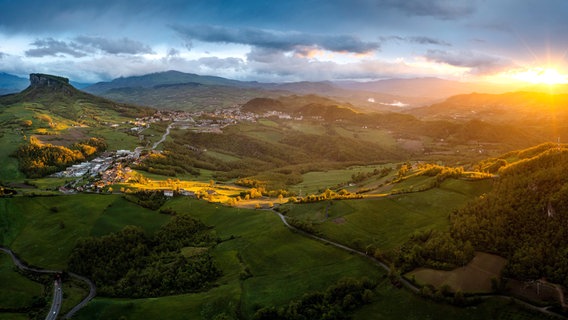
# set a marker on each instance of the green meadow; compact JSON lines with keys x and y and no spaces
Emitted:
{"x":387,"y":222}
{"x":313,"y":182}
{"x":44,"y":230}
{"x":263,"y":263}
{"x":16,"y":291}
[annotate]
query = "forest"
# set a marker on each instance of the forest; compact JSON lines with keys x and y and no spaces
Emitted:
{"x":37,"y":159}
{"x":524,"y":216}
{"x":131,"y":263}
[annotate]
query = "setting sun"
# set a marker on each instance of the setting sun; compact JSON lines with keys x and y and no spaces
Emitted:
{"x":549,"y":76}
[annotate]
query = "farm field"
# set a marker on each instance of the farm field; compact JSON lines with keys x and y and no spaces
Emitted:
{"x":475,"y":277}
{"x":315,"y":181}
{"x":389,"y":221}
{"x":393,"y":303}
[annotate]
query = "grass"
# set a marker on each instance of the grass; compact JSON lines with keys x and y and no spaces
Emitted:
{"x":392,"y":303}
{"x":188,"y":306}
{"x":379,"y":136}
{"x":281,"y":262}
{"x":475,"y":277}
{"x":389,"y":221}
{"x":73,"y":293}
{"x":314,"y":181}
{"x":222,"y":156}
{"x":116,"y":140}
{"x":9,"y":142}
{"x":45,"y":238}
{"x":13,"y":316}
{"x":16,"y":290}
{"x":49,"y":183}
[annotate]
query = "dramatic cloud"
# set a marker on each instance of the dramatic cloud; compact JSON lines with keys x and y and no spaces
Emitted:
{"x":114,"y":46}
{"x":479,"y":63}
{"x":84,"y":45}
{"x":270,"y":39}
{"x":441,"y":9}
{"x":286,"y":40}
{"x":52,"y":47}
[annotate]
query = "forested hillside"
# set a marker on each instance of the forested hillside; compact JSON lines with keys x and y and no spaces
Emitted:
{"x":525,"y":216}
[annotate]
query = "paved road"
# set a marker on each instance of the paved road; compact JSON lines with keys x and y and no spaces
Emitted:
{"x":157,"y":143}
{"x":408,"y":284}
{"x":92,"y":294}
{"x":58,"y":291}
{"x":57,"y":300}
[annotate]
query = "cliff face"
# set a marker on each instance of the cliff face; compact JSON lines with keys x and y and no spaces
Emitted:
{"x":48,"y":83}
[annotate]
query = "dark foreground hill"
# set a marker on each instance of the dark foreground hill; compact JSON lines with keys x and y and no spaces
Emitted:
{"x":525,"y":216}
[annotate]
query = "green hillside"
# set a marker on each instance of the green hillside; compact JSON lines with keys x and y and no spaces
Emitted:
{"x":53,"y":112}
{"x":523,"y":215}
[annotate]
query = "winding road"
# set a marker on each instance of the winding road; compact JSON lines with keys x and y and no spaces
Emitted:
{"x":57,"y":289}
{"x":409,"y":285}
{"x":157,"y":143}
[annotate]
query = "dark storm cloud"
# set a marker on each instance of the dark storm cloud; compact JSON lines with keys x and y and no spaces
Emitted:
{"x":52,"y":47}
{"x":441,"y":9}
{"x":285,"y":41}
{"x":45,"y":16}
{"x":479,"y":63}
{"x":114,"y":46}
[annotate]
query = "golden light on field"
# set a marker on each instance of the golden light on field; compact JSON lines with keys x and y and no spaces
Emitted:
{"x":549,"y":76}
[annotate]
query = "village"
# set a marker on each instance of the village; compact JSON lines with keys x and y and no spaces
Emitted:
{"x":113,"y":167}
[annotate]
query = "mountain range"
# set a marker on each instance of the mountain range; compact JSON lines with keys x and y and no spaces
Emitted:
{"x":190,"y":92}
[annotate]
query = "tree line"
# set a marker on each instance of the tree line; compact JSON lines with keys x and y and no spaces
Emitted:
{"x":131,"y":263}
{"x":524,"y":218}
{"x":334,"y":303}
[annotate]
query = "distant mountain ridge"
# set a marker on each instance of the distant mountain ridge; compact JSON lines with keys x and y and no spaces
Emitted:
{"x":429,"y":87}
{"x":189,"y":91}
{"x":10,"y":83}
{"x":164,"y":78}
{"x":506,"y":107}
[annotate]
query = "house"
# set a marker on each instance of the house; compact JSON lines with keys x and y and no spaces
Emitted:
{"x":168,"y":193}
{"x":187,"y":193}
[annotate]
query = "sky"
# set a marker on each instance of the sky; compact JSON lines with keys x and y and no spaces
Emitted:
{"x":287,"y":40}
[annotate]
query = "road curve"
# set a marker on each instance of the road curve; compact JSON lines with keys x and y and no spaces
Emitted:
{"x":378,"y":262}
{"x":157,"y":143}
{"x":57,"y":301}
{"x":407,"y":283}
{"x":92,"y":294}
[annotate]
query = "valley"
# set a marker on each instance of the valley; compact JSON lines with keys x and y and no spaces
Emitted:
{"x":279,"y":206}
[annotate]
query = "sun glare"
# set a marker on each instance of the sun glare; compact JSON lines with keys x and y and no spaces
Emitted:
{"x":549,"y":76}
